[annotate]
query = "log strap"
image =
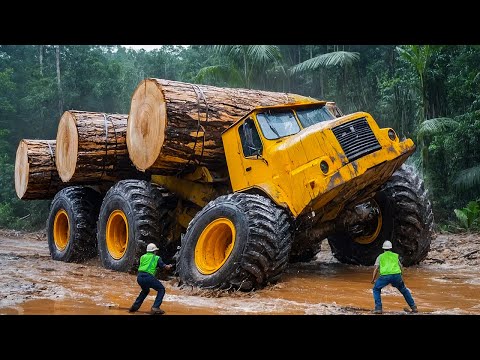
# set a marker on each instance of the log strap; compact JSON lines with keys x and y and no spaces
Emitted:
{"x":200,"y":96}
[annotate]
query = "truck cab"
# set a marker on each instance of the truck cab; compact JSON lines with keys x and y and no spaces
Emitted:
{"x":303,"y":156}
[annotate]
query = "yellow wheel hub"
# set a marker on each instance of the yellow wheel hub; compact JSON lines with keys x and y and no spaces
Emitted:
{"x":214,"y":245}
{"x":369,"y":238}
{"x":117,"y":234}
{"x":61,"y":229}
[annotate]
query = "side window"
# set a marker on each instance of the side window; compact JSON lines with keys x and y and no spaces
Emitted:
{"x":251,"y":143}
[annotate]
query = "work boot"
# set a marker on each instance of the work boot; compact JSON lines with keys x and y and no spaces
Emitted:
{"x":157,"y":311}
{"x":377,"y":311}
{"x":414,"y":309}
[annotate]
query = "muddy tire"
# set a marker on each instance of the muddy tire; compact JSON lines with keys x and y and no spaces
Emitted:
{"x":71,"y":224}
{"x":407,"y":221}
{"x":131,"y":216}
{"x":236,"y":242}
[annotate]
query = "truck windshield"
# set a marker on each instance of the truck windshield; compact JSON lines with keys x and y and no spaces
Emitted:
{"x":311,"y":116}
{"x":277,"y":124}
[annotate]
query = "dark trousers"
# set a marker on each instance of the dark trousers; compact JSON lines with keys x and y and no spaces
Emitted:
{"x":396,"y":281}
{"x":147,"y":282}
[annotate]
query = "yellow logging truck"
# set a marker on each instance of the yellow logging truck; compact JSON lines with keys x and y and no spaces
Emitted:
{"x":294,"y":174}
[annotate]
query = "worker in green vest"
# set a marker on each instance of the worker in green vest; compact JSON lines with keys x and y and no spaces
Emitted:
{"x":390,"y":268}
{"x":149,"y":263}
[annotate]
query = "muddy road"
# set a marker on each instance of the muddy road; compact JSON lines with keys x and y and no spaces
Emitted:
{"x":447,"y":282}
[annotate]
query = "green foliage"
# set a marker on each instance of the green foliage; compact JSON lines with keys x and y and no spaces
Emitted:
{"x":431,"y":127}
{"x":469,"y":216}
{"x":337,"y":58}
{"x":468,"y":178}
{"x":428,"y":93}
{"x":238,"y":65}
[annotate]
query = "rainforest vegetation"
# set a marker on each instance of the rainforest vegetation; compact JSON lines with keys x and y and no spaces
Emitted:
{"x":430,"y":93}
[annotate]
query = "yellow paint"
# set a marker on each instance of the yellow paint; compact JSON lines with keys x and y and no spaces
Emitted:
{"x":61,"y":229}
{"x":214,"y":245}
{"x":201,"y":174}
{"x":288,"y":169}
{"x":184,"y":218}
{"x":195,"y":192}
{"x":117,"y":234}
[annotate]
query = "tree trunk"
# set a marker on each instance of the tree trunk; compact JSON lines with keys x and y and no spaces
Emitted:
{"x":36,"y":177}
{"x":41,"y":59}
{"x":59,"y":84}
{"x":175,"y":126}
{"x":91,"y":148}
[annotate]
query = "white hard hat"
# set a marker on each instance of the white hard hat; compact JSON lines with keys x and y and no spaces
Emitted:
{"x":151,"y":247}
{"x":387,"y":245}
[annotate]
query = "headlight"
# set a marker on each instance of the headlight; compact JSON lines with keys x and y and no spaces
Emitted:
{"x":391,"y":134}
{"x":324,"y":166}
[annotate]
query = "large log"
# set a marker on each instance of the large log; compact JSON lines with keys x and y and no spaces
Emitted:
{"x":173,"y":125}
{"x":36,"y":177}
{"x":91,"y":148}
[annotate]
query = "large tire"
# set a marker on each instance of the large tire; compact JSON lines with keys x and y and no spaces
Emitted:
{"x":71,"y":224}
{"x":236,"y":242}
{"x":407,"y":221}
{"x":131,"y":216}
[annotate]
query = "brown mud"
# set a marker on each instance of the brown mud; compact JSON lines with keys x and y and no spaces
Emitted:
{"x":447,"y":282}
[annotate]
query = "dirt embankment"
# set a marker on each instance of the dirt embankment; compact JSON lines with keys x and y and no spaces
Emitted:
{"x":32,"y":283}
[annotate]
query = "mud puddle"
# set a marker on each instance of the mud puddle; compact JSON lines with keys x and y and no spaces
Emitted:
{"x":32,"y":283}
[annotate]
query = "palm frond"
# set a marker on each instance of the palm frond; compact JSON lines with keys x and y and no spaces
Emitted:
{"x":263,"y":53}
{"x":435,"y":126}
{"x":336,"y":58}
{"x":468,"y":178}
{"x":215,"y":74}
{"x":462,"y":217}
{"x":209,"y":72}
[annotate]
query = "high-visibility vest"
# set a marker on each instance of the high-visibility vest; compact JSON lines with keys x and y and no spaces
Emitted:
{"x":389,"y":263}
{"x":148,"y":263}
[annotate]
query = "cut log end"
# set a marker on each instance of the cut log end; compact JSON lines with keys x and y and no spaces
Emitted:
{"x":22,"y":169}
{"x":146,"y":124}
{"x":67,"y":146}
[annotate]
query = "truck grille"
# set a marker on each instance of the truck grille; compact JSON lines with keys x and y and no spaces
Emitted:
{"x":356,"y":139}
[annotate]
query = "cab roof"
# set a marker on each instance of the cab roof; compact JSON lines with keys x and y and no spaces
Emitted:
{"x":295,"y":105}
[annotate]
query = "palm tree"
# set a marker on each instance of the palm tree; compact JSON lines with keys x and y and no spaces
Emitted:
{"x":336,"y":58}
{"x":419,"y":57}
{"x":429,"y":128}
{"x":242,"y":63}
{"x":341,"y":59}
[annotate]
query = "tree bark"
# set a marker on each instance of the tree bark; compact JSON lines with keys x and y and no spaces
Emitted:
{"x":175,"y":126}
{"x":36,"y":177}
{"x":59,"y":84}
{"x":91,"y":148}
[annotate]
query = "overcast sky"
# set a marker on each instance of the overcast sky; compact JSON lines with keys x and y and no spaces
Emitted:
{"x":146,"y":47}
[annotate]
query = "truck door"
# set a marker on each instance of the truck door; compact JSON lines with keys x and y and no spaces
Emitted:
{"x":255,"y":167}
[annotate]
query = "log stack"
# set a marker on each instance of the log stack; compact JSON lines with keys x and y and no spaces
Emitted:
{"x":91,"y":148}
{"x":36,"y":176}
{"x":174,"y":125}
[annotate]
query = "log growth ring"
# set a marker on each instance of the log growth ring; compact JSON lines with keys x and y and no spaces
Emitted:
{"x":67,"y":146}
{"x":22,"y":169}
{"x":146,"y":124}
